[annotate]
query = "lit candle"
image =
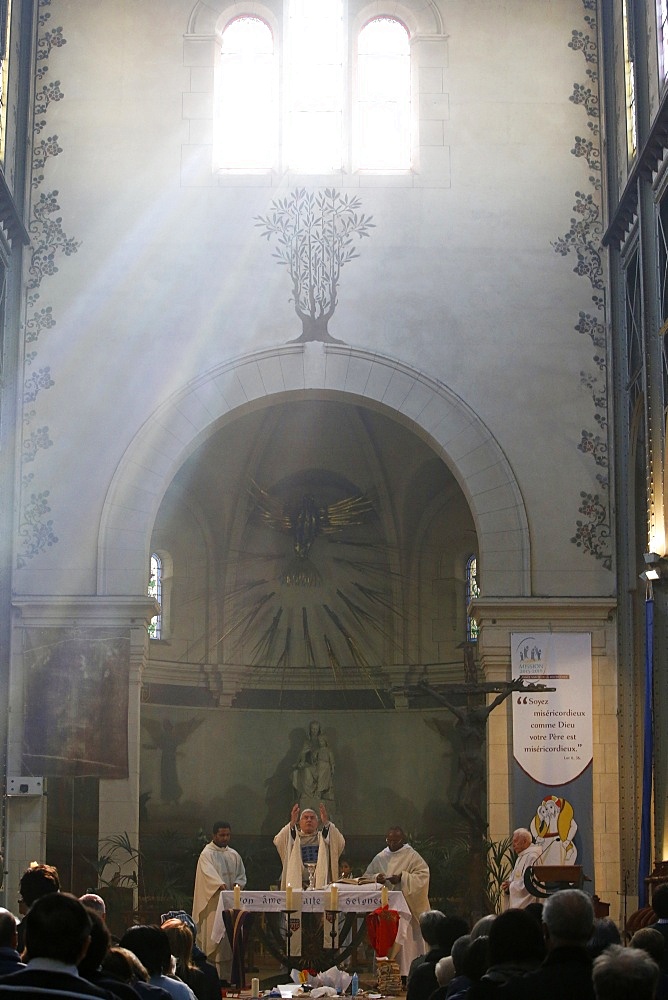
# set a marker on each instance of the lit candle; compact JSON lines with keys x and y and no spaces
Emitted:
{"x":384,"y":896}
{"x":334,"y":898}
{"x":255,"y":987}
{"x":288,"y":897}
{"x":237,"y":898}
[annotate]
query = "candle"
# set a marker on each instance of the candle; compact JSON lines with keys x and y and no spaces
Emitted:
{"x":237,"y":898}
{"x":384,"y":896}
{"x":288,"y":897}
{"x":334,"y":898}
{"x":255,"y":987}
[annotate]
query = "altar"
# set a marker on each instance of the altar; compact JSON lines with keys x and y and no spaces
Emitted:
{"x":350,"y":901}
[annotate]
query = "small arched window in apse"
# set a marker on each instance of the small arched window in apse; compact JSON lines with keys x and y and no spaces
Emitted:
{"x":472,"y":590}
{"x":247,"y":119}
{"x":383,"y":107}
{"x":155,"y":591}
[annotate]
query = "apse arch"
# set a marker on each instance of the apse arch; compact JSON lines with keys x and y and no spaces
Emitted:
{"x":314,"y":370}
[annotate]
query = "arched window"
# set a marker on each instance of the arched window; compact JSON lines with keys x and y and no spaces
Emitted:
{"x":247,"y":119}
{"x":472,"y":590}
{"x":155,"y":591}
{"x":662,"y":37}
{"x":383,"y":138}
{"x":629,"y":76}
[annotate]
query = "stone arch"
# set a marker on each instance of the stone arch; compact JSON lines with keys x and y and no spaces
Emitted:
{"x":314,"y":370}
{"x":205,"y":15}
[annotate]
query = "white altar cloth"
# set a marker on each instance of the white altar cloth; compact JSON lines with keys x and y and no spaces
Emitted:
{"x":351,"y":899}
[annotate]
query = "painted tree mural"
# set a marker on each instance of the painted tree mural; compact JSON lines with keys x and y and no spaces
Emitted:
{"x":315,"y":233}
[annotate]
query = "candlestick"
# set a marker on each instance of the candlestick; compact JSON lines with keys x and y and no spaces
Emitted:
{"x":334,"y":898}
{"x":288,"y":897}
{"x":237,"y":897}
{"x":384,"y":896}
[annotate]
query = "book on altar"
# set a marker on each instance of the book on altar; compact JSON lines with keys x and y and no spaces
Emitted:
{"x":362,"y":880}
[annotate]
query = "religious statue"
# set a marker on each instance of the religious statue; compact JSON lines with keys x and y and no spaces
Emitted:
{"x":313,"y":773}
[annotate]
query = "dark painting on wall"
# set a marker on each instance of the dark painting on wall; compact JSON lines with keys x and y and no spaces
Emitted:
{"x":76,"y":702}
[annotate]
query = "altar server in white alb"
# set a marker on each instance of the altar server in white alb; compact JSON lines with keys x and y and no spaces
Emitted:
{"x":399,"y":866}
{"x":300,"y":843}
{"x":219,"y":867}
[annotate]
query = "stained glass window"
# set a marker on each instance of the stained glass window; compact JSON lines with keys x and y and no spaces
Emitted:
{"x":472,"y":590}
{"x":155,"y":591}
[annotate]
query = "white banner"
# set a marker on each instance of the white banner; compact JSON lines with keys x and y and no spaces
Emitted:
{"x":314,"y":900}
{"x":552,"y":730}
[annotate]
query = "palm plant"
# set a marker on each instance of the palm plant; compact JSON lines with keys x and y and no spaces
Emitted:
{"x":500,"y":860}
{"x":118,"y":852}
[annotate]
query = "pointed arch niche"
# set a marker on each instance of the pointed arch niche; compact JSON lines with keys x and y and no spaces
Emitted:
{"x":314,"y":371}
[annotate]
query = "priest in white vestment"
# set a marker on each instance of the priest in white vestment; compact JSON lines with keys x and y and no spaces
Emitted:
{"x":528,"y":855}
{"x":219,"y":867}
{"x":400,"y":866}
{"x":300,"y":843}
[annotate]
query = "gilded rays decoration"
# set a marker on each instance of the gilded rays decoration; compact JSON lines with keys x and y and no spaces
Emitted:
{"x":314,"y":589}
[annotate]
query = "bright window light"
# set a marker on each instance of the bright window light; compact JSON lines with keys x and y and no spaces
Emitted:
{"x":383,"y":96}
{"x":315,"y":86}
{"x":247,"y":121}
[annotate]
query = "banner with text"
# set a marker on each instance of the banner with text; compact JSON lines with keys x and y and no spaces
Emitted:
{"x":553,"y":744}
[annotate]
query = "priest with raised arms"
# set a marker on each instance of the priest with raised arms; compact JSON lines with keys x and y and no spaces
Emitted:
{"x":399,"y":866}
{"x":300,"y":843}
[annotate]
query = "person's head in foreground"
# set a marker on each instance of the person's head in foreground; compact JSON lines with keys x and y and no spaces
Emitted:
{"x":625,"y":974}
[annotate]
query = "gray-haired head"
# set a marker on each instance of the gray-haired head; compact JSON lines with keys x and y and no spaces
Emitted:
{"x":568,"y":916}
{"x":625,"y":974}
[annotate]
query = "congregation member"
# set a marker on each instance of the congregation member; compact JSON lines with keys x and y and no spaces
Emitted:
{"x":36,"y":881}
{"x":90,"y":966}
{"x":219,"y":867}
{"x":528,"y":854}
{"x":151,"y":946}
{"x":449,"y":969}
{"x":439,"y":932}
{"x":181,"y":946}
{"x":474,"y":965}
{"x":516,"y":947}
{"x":568,"y":922}
{"x":121,"y":964}
{"x":654,"y":943}
{"x":10,"y":960}
{"x":604,"y":934}
{"x":93,"y":902}
{"x":198,"y":957}
{"x":57,"y":933}
{"x":660,"y":907}
{"x":301,"y":842}
{"x":625,"y":974}
{"x":400,"y":866}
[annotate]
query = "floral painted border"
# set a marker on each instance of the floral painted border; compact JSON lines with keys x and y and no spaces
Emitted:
{"x":49,"y":241}
{"x":583,"y":239}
